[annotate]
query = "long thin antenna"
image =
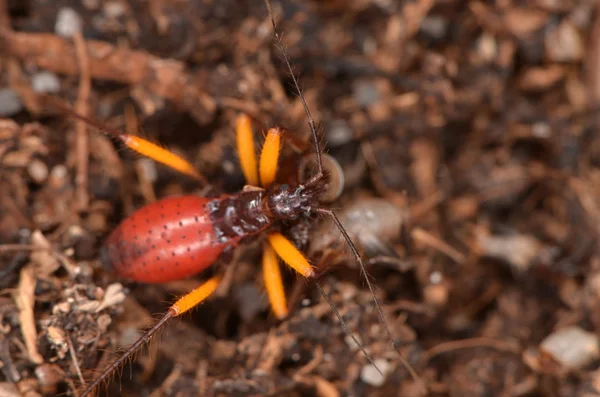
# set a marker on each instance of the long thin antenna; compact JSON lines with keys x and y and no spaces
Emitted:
{"x":346,"y":329}
{"x":311,"y":122}
{"x":363,"y":269}
{"x":105,"y":129}
{"x":317,"y":178}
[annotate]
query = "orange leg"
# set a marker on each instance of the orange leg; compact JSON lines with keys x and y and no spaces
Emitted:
{"x":184,"y":304}
{"x":141,"y":146}
{"x":291,"y":255}
{"x":273,"y":282}
{"x":245,"y":149}
{"x":197,"y":296}
{"x":269,"y":157}
{"x":161,"y":155}
{"x":278,"y":245}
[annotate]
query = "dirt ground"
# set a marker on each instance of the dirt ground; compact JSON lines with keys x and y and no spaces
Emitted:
{"x":473,"y":124}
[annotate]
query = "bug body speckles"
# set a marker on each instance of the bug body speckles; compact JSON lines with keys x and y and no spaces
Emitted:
{"x":178,"y":241}
{"x":178,"y":237}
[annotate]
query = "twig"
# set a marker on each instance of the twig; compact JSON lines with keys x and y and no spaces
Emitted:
{"x":64,"y":261}
{"x":74,"y":358}
{"x":312,"y":364}
{"x":165,"y":78}
{"x":8,"y":369}
{"x":4,"y":15}
{"x":81,"y":145}
{"x":25,"y":299}
{"x":592,"y":61}
{"x":429,"y":239}
{"x":510,"y":347}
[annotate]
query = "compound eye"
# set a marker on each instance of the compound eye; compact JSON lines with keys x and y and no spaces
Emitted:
{"x":284,"y":187}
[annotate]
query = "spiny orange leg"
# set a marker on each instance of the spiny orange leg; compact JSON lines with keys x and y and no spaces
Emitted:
{"x":283,"y":247}
{"x":141,"y":146}
{"x":273,"y":282}
{"x":269,"y":156}
{"x":297,"y":261}
{"x":245,"y":149}
{"x":291,"y":255}
{"x":184,"y":304}
{"x":269,"y":159}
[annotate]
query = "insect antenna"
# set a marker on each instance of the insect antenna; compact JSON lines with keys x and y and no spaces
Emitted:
{"x":311,"y":122}
{"x":363,"y":269}
{"x":325,"y":211}
{"x":117,"y":365}
{"x":345,"y":327}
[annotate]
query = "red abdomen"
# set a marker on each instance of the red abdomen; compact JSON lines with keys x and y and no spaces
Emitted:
{"x":170,"y":239}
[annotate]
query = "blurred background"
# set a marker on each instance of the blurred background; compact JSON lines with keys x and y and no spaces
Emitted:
{"x":467,"y":134}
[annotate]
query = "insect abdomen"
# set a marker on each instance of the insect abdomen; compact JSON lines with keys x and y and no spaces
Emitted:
{"x":167,"y":240}
{"x":178,"y":237}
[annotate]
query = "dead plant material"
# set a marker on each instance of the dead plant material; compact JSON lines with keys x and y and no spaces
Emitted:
{"x":25,"y":299}
{"x":164,"y":78}
{"x":467,"y":135}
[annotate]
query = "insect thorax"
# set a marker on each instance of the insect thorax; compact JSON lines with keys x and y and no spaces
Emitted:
{"x":238,"y":216}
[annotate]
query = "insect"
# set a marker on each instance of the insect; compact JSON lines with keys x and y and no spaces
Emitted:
{"x":177,"y":237}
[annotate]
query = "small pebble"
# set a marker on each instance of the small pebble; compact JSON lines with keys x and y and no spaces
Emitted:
{"x":148,"y":167}
{"x":371,"y":376}
{"x":365,"y":93}
{"x":519,"y":250}
{"x":541,"y":130}
{"x":10,"y":103}
{"x":59,"y":177}
{"x":436,"y":277}
{"x":45,"y":82}
{"x":68,"y":22}
{"x":572,"y":347}
{"x":49,"y":376}
{"x":339,"y":133}
{"x":565,"y":44}
{"x":114,"y":9}
{"x":434,"y":26}
{"x":38,"y":171}
{"x":487,"y":47}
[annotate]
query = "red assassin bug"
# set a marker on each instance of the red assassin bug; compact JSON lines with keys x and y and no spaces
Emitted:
{"x":177,"y":237}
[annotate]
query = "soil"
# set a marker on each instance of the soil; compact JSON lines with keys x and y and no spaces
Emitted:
{"x":467,"y":136}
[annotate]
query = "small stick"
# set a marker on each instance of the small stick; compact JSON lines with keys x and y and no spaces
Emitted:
{"x":81,"y":144}
{"x":445,"y":347}
{"x":165,"y":78}
{"x":74,"y":359}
